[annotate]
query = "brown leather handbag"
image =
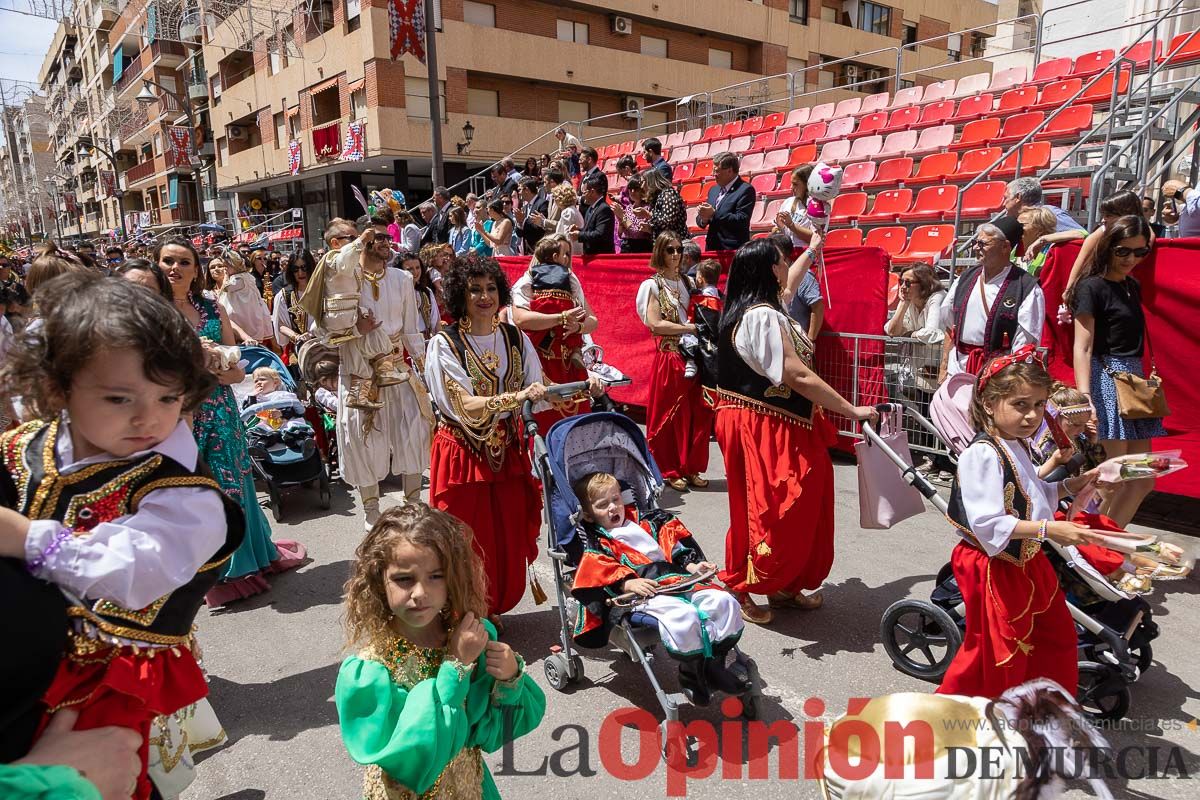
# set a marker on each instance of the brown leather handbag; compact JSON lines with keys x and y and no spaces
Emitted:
{"x":1138,"y":397}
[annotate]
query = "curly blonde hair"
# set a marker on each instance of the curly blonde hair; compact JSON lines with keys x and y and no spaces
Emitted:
{"x":564,"y":195}
{"x":367,"y":612}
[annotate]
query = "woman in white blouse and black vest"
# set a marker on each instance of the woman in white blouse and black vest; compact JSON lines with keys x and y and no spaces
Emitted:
{"x":774,"y":435}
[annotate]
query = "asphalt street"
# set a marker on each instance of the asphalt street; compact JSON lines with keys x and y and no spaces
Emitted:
{"x":273,"y":661}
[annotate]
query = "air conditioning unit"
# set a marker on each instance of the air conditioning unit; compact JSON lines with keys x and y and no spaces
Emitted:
{"x":852,"y":73}
{"x":634,"y":107}
{"x":236,"y":133}
{"x":874,"y":74}
{"x":621,"y":25}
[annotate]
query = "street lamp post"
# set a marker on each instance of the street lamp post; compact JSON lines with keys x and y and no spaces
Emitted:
{"x":146,"y":96}
{"x":86,"y":144}
{"x":50,"y":190}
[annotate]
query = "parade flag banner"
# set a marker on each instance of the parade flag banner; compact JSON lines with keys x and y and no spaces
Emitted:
{"x":406,"y":28}
{"x":353,"y":150}
{"x":294,"y":156}
{"x":108,"y":182}
{"x":181,"y":143}
{"x":70,"y":202}
{"x":1170,"y":296}
{"x":326,"y":142}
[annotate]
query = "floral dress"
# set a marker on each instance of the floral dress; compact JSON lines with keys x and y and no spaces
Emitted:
{"x":217,"y":426}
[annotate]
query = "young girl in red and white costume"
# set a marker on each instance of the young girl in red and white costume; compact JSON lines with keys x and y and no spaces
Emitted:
{"x":1018,"y":624}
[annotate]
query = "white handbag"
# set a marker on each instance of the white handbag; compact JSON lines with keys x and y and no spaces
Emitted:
{"x":884,"y":498}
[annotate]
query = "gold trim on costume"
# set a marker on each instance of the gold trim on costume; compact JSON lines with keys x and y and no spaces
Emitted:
{"x":726,"y":399}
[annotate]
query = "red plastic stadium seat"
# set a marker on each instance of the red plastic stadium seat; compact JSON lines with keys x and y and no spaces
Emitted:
{"x":683,"y":171}
{"x":1183,"y":50}
{"x":711,"y":132}
{"x":889,"y":206}
{"x":752,"y":126}
{"x":1143,"y":53}
{"x":890,"y":239}
{"x":717,"y":146}
{"x":844,"y":237}
{"x":775,"y":159}
{"x":812,"y":132}
{"x":840,"y":128}
{"x":804,"y":154}
{"x":934,"y":139}
{"x":700,"y":239}
{"x":762,"y":141}
{"x":903,"y":118}
{"x":1035,"y":156}
{"x":693,"y":193}
{"x":772,"y":121}
{"x":976,"y":161}
{"x":1052,"y":70}
{"x":891,"y":173}
{"x":837,"y":150}
{"x":822,"y":113}
{"x":847,"y":207}
{"x":971,"y":85}
{"x":898,"y":143}
{"x":871,"y":123}
{"x":933,"y":202}
{"x":700,"y":150}
{"x":751,"y":164}
{"x":702,"y":171}
{"x":764,"y":182}
{"x":908,"y":97}
{"x":1057,"y":93}
{"x":764,"y":216}
{"x":983,"y":200}
{"x":935,"y":168}
{"x":680,"y":155}
{"x":1017,"y":126}
{"x":1017,"y":100}
{"x":973,"y":108}
{"x":936,"y":113}
{"x":731,"y":129}
{"x":692,"y":223}
{"x":856,"y":174}
{"x":1101,"y":91}
{"x":1069,"y":124}
{"x":927,"y":244}
{"x":849,"y":107}
{"x":1089,"y":64}
{"x":739,"y":144}
{"x":978,"y":133}
{"x":674,"y":139}
{"x":627,"y":147}
{"x":692,"y":135}
{"x":1008,"y":78}
{"x":786,"y":137}
{"x":865,"y":148}
{"x":797,"y":116}
{"x":874,"y":102}
{"x":936,"y":92}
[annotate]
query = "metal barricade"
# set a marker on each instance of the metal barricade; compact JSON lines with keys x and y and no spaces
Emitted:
{"x":868,"y":369}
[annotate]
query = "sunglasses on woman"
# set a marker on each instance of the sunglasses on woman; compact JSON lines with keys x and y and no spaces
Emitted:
{"x":674,"y":251}
{"x":1126,"y":252}
{"x":907,"y":283}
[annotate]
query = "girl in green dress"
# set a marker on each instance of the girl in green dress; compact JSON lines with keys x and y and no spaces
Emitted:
{"x":432,"y":689}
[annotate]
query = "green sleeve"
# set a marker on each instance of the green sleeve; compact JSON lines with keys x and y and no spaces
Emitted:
{"x":521,"y":702}
{"x":413,"y":734}
{"x":35,"y":782}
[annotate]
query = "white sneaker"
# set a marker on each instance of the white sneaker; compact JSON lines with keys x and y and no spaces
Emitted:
{"x":690,"y":369}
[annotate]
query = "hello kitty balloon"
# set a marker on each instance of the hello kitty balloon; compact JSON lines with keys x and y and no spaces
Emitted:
{"x":823,"y":185}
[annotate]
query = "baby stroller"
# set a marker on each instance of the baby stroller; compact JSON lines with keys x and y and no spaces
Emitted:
{"x":1114,"y":628}
{"x":613,"y":443}
{"x":286,"y":457}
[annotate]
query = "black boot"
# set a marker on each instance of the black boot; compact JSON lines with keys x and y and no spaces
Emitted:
{"x":721,"y":678}
{"x":693,"y":680}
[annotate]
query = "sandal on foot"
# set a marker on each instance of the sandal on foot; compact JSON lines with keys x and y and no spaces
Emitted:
{"x":697,"y":481}
{"x":752,"y":611}
{"x":799,"y":601}
{"x":678,"y":484}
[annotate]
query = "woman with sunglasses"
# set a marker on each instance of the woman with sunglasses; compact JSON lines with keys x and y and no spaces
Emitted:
{"x":288,"y":317}
{"x":678,"y":420}
{"x":1111,"y":336}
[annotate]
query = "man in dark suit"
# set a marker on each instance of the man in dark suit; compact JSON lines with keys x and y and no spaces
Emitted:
{"x":535,"y":205}
{"x":598,"y":220}
{"x":588,"y":165}
{"x":730,"y":205}
{"x":652,"y":152}
{"x":438,"y":229}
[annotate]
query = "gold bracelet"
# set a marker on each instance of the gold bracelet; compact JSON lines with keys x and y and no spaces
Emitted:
{"x":562,"y":319}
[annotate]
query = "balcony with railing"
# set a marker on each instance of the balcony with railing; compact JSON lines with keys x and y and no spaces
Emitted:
{"x":169,"y":54}
{"x":150,"y":168}
{"x":131,"y":75}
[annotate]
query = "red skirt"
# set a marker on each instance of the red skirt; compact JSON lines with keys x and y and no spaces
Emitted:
{"x":1018,"y":626}
{"x":1105,"y":560}
{"x":678,"y":420}
{"x":503,"y":510}
{"x":780,"y":480}
{"x":128,"y":691}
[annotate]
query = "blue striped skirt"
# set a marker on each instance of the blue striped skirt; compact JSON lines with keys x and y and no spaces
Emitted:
{"x":1109,"y":423}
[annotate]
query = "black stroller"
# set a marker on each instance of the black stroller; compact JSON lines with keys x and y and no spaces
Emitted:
{"x":1114,"y":628}
{"x":613,"y":443}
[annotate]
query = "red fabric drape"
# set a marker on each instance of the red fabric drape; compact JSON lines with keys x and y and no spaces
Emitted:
{"x":1170,"y":283}
{"x":855,"y":302}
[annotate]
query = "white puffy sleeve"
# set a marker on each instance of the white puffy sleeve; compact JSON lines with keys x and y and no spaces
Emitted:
{"x":522,"y":292}
{"x":442,"y":367}
{"x":981,"y":481}
{"x":759,"y":341}
{"x":644,"y":293}
{"x":1030,"y":318}
{"x":945,"y":314}
{"x":930,"y":331}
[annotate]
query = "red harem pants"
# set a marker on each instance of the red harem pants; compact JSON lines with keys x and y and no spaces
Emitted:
{"x":127,"y":690}
{"x":1018,"y":626}
{"x":678,"y":420}
{"x":503,"y":510}
{"x":780,"y":481}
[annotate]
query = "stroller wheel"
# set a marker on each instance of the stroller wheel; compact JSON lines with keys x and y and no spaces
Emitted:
{"x":920,"y":638}
{"x":325,"y":494}
{"x":558,"y":671}
{"x":276,"y":503}
{"x":575,"y":668}
{"x":1102,"y":692}
{"x":1143,"y":656}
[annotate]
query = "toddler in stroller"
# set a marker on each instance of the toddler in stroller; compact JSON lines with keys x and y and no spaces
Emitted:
{"x":279,"y":414}
{"x":631,"y":567}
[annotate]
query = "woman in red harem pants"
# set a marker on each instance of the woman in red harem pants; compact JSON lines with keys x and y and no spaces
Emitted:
{"x":775,"y":438}
{"x":549,"y":306}
{"x":678,"y":420}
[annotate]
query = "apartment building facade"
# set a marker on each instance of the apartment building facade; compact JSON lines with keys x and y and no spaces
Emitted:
{"x":514,"y":69}
{"x":24,"y":161}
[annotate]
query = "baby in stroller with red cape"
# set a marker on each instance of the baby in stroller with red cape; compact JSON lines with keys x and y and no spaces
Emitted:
{"x":629,"y":566}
